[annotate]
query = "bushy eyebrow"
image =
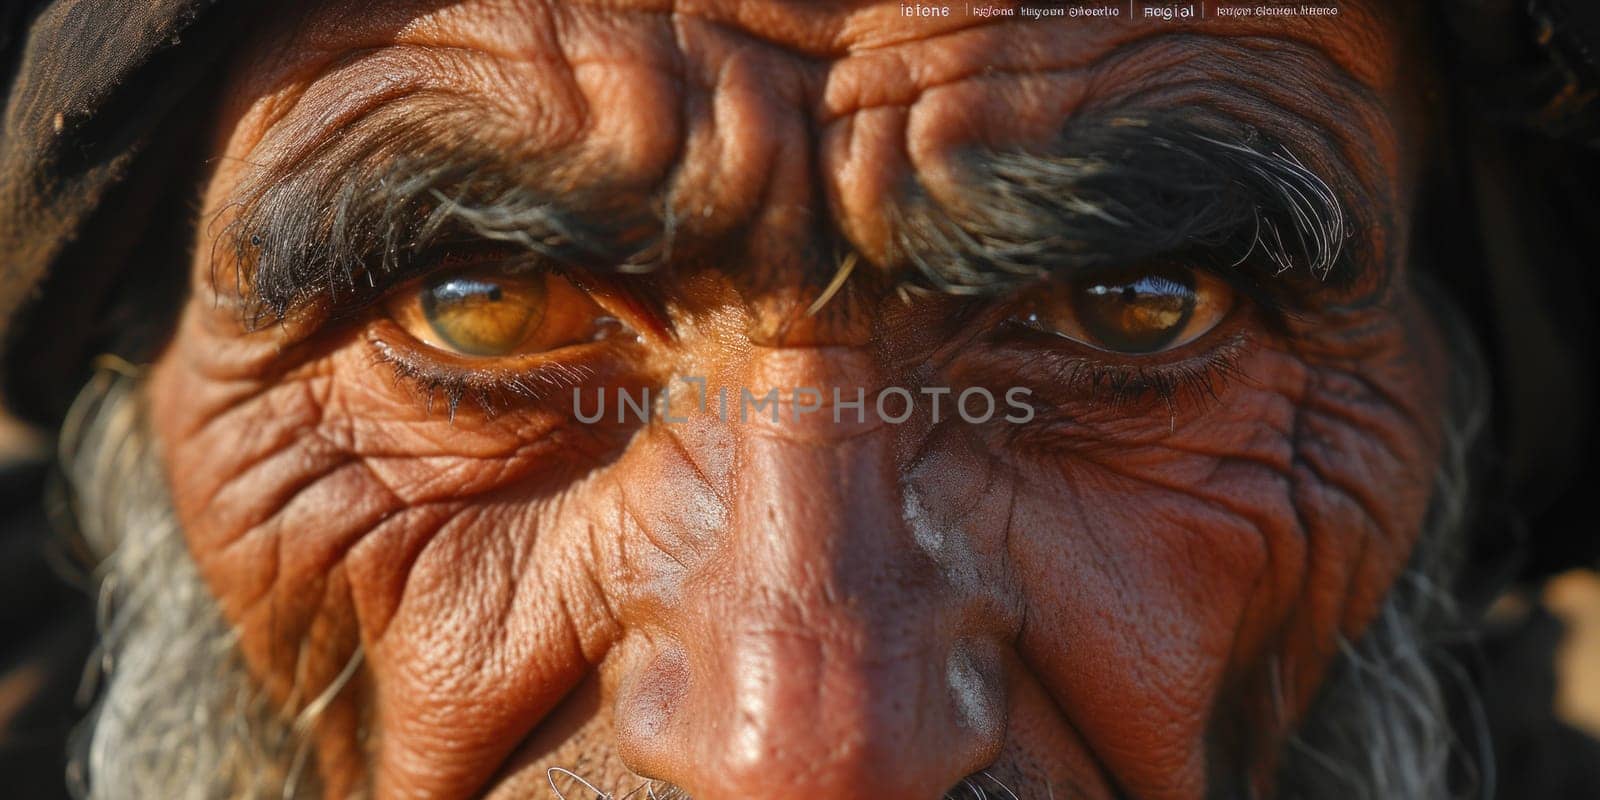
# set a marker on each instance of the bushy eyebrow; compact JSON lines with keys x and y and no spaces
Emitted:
{"x":1126,"y":188}
{"x":376,"y":203}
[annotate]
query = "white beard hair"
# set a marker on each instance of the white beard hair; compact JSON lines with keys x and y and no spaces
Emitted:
{"x":176,"y":714}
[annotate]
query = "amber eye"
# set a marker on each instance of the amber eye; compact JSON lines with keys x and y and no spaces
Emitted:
{"x":485,"y":313}
{"x":1132,"y":310}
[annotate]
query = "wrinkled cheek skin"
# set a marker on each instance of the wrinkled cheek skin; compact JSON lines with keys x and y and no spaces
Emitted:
{"x":1123,"y":598}
{"x":1211,"y":572}
{"x":330,"y":515}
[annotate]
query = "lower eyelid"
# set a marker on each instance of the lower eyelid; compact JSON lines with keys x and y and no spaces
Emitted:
{"x":539,"y":380}
{"x":1070,"y":374}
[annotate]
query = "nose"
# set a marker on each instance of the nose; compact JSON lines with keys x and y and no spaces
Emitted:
{"x":820,"y":652}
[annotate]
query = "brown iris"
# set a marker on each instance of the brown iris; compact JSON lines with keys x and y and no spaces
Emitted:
{"x":485,"y":313}
{"x":480,"y":317}
{"x":1135,"y":310}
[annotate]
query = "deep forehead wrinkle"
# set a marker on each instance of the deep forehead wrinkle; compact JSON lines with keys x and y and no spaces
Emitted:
{"x":832,"y":34}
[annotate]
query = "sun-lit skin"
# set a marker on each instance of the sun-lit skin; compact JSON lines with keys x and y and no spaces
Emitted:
{"x":1121,"y":596}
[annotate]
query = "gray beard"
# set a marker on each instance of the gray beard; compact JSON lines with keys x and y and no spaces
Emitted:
{"x":176,"y":713}
{"x":178,"y":717}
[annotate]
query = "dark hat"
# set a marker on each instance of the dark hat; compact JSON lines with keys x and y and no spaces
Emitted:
{"x":94,"y":112}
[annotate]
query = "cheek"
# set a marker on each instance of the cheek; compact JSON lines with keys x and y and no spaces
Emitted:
{"x":1217,"y":559}
{"x":332,"y":512}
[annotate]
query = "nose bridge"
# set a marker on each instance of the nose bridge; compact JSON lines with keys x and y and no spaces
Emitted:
{"x":817,"y":522}
{"x":819,"y":653}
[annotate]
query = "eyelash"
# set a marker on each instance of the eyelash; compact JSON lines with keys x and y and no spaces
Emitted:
{"x":1199,"y":379}
{"x":491,"y":390}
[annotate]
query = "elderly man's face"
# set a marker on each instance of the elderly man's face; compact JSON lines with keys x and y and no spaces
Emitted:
{"x":431,"y":224}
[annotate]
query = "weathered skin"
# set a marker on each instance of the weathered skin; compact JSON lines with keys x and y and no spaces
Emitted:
{"x":1117,"y":597}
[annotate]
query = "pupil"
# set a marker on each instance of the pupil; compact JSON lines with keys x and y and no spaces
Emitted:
{"x":1137,"y":311}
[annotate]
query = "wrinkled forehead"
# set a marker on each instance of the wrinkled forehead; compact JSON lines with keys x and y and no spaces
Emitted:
{"x":763,"y":111}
